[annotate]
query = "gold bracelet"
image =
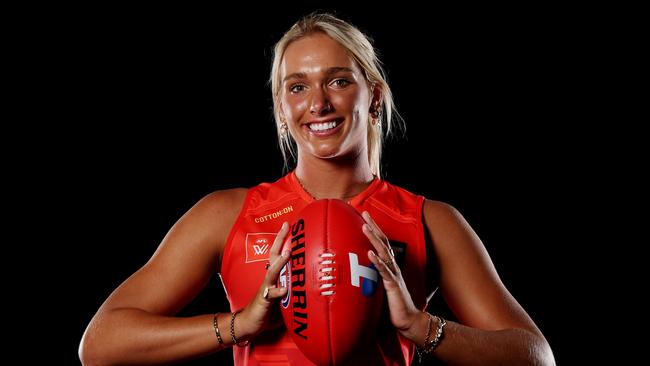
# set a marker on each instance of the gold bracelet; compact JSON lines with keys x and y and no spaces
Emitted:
{"x":215,"y":324}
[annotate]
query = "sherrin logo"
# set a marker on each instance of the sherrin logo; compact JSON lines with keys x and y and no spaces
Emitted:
{"x":297,"y":276}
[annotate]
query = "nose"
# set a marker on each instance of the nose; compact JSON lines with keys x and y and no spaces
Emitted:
{"x":320,"y":103}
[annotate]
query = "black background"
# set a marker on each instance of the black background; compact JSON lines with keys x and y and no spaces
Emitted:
{"x":157,"y":107}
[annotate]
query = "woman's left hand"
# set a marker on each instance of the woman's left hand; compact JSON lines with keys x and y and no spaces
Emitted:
{"x":403,"y":313}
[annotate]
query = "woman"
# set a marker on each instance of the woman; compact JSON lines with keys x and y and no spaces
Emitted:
{"x":332,"y":108}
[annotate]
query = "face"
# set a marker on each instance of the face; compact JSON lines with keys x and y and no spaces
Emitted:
{"x":325,"y":99}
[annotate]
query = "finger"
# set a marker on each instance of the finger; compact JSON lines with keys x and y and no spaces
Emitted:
{"x":366,"y":216}
{"x":273,"y":293}
{"x":380,"y":245}
{"x":384,"y":270}
{"x":275,"y":267}
{"x":384,"y":253}
{"x":276,"y":292}
{"x":268,"y":291}
{"x":279,"y":239}
{"x":378,"y":232}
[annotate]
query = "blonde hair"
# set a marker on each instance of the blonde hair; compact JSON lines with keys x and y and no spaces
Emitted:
{"x":361,"y":50}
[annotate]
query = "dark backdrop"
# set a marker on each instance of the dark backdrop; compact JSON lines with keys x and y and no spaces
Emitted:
{"x":163,"y":106}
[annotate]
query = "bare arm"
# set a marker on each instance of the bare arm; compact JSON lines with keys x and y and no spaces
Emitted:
{"x":136,"y":325}
{"x":495,"y":329}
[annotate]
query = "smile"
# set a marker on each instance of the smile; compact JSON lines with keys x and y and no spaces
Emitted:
{"x":322,"y":126}
{"x":325,"y":128}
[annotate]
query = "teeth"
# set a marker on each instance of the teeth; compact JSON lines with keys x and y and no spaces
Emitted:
{"x":322,"y":126}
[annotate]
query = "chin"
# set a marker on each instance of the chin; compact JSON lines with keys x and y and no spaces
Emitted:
{"x":333,"y":154}
{"x":325,"y":152}
{"x":326,"y":156}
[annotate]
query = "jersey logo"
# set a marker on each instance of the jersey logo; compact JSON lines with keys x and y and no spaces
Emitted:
{"x":273,"y":215}
{"x":260,"y":249}
{"x":258,"y":246}
{"x":361,"y":276}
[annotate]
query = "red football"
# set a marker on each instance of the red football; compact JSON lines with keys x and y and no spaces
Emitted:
{"x":335,"y":295}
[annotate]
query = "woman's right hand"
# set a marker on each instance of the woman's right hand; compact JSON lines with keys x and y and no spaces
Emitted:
{"x":256,"y":316}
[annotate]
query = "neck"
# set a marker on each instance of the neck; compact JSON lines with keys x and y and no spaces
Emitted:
{"x":325,"y":178}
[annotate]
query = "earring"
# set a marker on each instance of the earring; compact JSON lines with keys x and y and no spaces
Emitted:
{"x":376,"y":114}
{"x":284,"y":129}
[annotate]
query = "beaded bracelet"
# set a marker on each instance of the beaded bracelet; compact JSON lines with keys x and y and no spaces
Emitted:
{"x":430,"y":345}
{"x":232,"y":330}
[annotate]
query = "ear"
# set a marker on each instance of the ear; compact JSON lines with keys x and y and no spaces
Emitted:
{"x":375,"y":102}
{"x":281,"y":112}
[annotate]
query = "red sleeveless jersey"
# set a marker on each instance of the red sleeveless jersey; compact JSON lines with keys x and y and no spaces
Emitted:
{"x":397,"y":212}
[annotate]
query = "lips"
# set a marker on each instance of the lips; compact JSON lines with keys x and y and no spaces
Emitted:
{"x":324,"y":128}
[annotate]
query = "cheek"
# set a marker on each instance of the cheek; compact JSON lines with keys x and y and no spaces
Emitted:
{"x":294,"y":107}
{"x":350,"y":102}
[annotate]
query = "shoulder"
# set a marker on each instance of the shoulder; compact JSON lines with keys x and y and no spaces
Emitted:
{"x":219,"y":207}
{"x":438,"y":211}
{"x":223,"y":201}
{"x":444,"y":221}
{"x":229,"y":203}
{"x":212,"y":217}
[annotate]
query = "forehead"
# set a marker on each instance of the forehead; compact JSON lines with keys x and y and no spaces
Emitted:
{"x":315,"y":53}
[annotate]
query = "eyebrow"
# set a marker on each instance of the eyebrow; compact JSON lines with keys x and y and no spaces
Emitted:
{"x":328,"y":72}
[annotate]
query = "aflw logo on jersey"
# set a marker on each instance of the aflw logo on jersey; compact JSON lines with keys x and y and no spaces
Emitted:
{"x":262,"y":248}
{"x":258,"y":246}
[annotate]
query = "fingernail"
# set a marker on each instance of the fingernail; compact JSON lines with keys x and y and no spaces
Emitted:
{"x":367,"y":227}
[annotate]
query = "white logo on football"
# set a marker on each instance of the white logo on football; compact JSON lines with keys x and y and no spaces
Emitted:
{"x":357,"y":270}
{"x":285,"y":281}
{"x":260,"y":249}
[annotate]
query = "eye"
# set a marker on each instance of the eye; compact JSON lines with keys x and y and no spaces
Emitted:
{"x":296,"y":88}
{"x":340,"y":83}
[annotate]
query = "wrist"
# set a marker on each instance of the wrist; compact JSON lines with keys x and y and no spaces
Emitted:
{"x":433,"y":336}
{"x":238,"y":331}
{"x":416,"y":332}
